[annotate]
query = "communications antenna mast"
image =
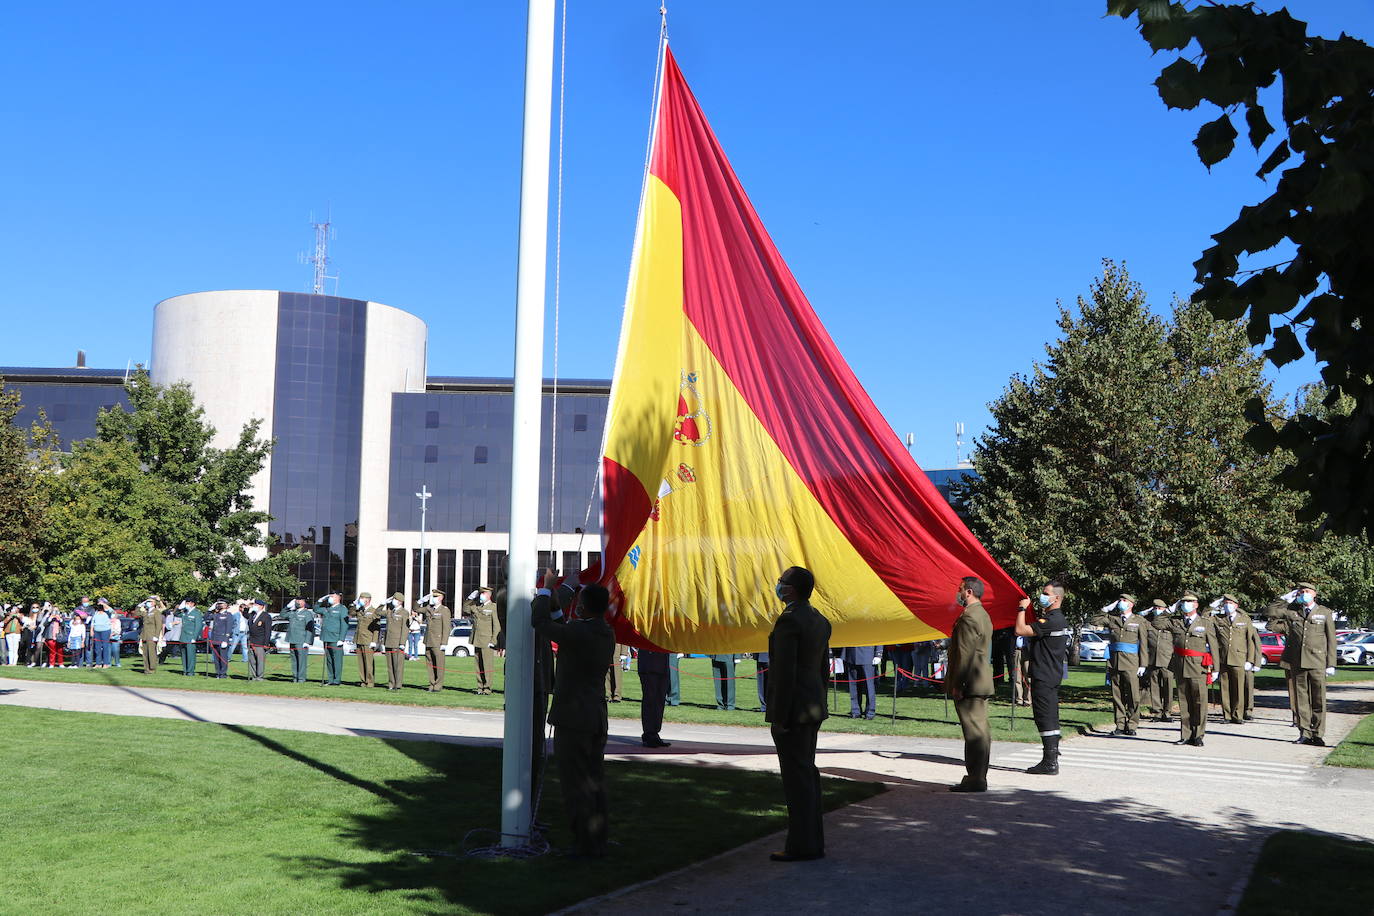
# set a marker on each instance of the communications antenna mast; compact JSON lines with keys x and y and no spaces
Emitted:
{"x":320,"y":259}
{"x":958,"y":444}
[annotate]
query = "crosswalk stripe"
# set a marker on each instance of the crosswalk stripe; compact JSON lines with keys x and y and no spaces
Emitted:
{"x":1194,"y":766}
{"x":1201,"y":774}
{"x":1151,"y":755}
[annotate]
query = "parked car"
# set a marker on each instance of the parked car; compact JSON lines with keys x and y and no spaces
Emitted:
{"x":1271,"y":647}
{"x":1093,"y":647}
{"x":129,"y":628}
{"x":279,"y":643}
{"x":1358,"y":650}
{"x":459,"y":643}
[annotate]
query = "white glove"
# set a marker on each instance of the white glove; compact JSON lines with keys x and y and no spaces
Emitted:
{"x":877,"y":659}
{"x":1249,"y":667}
{"x":224,"y":645}
{"x":1140,"y":672}
{"x":1330,"y":672}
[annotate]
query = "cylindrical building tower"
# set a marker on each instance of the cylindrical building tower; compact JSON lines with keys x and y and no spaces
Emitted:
{"x":319,"y":371}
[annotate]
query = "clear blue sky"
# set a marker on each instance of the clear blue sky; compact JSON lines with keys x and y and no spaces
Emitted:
{"x":937,"y":175}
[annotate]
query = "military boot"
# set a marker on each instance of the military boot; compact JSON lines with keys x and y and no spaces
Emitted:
{"x":1049,"y":761}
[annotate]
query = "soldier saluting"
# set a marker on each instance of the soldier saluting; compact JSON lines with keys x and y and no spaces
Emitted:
{"x":438,"y":628}
{"x":1195,"y":646}
{"x":397,"y":628}
{"x":1309,"y":650}
{"x":366,"y":638}
{"x":1130,"y":634}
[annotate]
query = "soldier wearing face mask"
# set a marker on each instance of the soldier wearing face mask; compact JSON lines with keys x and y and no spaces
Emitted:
{"x":1129,"y":633}
{"x":1239,"y":645}
{"x":1047,"y":644}
{"x":1309,"y":649}
{"x":1195,"y":651}
{"x":1159,"y":680}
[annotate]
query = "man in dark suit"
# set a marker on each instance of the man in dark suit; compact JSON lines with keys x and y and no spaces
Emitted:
{"x":586,"y":649}
{"x":968,"y":679}
{"x":799,"y":669}
{"x":861,"y":673}
{"x":653,"y":687}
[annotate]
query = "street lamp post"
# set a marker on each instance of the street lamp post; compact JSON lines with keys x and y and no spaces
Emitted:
{"x":423,"y":496}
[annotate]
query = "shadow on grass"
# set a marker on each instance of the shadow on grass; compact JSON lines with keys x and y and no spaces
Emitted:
{"x":662,"y":818}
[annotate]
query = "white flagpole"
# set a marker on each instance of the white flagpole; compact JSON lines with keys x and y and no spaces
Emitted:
{"x":516,"y":798}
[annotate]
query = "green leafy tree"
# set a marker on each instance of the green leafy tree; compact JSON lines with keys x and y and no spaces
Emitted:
{"x":24,"y":454}
{"x":1237,"y":59}
{"x":149,"y":505}
{"x":1120,"y":462}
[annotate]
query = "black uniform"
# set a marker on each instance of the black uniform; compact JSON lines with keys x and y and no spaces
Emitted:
{"x":1047,"y":649}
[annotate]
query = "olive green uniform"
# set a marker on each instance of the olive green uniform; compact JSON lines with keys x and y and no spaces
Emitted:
{"x":150,"y":631}
{"x":365,"y":641}
{"x":1130,"y":635}
{"x":1239,"y":643}
{"x":1309,"y":648}
{"x":1195,"y":648}
{"x":300,"y":623}
{"x":192,"y":620}
{"x":438,"y":628}
{"x":615,"y":676}
{"x":1159,"y":679}
{"x":333,"y":629}
{"x":968,"y":679}
{"x":397,"y":628}
{"x":486,"y":635}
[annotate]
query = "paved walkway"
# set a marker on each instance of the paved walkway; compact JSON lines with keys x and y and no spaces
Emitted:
{"x":1131,"y":824}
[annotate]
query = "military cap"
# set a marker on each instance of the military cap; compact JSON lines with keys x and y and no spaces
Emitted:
{"x":1161,"y":604}
{"x":367,"y":595}
{"x":1186,"y":595}
{"x":1126,"y":597}
{"x":259,"y":602}
{"x":1231,"y":598}
{"x":397,"y":596}
{"x":434,"y":592}
{"x":484,"y":588}
{"x":1302,"y":585}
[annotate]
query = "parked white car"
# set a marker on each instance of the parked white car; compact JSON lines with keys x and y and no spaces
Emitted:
{"x":459,"y":643}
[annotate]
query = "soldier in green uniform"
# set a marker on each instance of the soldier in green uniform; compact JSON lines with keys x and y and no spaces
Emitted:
{"x":366,"y":638}
{"x":1309,"y":648}
{"x":1195,"y":649}
{"x":578,"y":713}
{"x":300,"y":626}
{"x":149,"y":616}
{"x":397,"y":627}
{"x":1159,"y":680}
{"x":333,"y":629}
{"x":438,"y":628}
{"x":615,"y":675}
{"x":486,"y":633}
{"x":192,"y":620}
{"x":1130,"y":635}
{"x":1256,"y":660}
{"x":968,"y":679}
{"x":1239,"y":643}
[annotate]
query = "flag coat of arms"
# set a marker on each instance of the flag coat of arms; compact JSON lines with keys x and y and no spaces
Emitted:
{"x":740,"y":443}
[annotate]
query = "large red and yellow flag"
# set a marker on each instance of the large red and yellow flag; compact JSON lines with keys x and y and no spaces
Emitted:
{"x":739,"y":442}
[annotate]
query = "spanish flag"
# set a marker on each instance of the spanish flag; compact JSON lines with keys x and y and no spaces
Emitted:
{"x":740,"y":443}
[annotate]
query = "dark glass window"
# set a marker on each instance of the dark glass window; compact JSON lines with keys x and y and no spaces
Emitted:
{"x":495,"y":559}
{"x":431,"y":419}
{"x":479,"y":455}
{"x":594,"y":559}
{"x":317,"y":422}
{"x":71,"y":408}
{"x":431,"y":454}
{"x":472,"y":572}
{"x":395,"y":571}
{"x":546,"y":559}
{"x":445,"y":576}
{"x":579,"y":422}
{"x":572,"y":562}
{"x":420,"y":582}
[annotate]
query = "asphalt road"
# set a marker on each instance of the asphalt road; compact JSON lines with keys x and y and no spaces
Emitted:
{"x":1129,"y":825}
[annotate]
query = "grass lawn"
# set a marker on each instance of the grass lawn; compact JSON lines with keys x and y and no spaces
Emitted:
{"x":1084,"y":701}
{"x":130,"y":815}
{"x":1308,"y":873}
{"x":1357,"y":750}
